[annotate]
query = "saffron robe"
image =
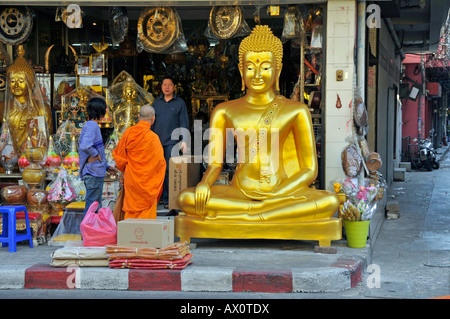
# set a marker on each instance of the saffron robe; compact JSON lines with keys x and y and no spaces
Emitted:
{"x":140,"y":156}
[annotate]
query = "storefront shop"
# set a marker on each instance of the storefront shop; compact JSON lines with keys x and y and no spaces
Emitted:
{"x":90,"y":49}
{"x":199,"y":49}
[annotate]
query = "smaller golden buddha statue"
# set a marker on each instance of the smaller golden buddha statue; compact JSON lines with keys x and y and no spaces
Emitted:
{"x":25,"y":110}
{"x":125,"y":100}
{"x":126,"y":113}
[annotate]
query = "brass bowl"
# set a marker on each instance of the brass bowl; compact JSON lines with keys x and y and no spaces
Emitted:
{"x":35,"y":154}
{"x":226,"y":21}
{"x":33,"y":176}
{"x":158,"y":28}
{"x":14,"y":195}
{"x":37,"y":198}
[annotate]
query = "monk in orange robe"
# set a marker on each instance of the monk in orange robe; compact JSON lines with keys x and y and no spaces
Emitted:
{"x":140,"y":157}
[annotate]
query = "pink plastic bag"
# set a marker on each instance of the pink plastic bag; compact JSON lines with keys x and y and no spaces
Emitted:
{"x":98,"y":229}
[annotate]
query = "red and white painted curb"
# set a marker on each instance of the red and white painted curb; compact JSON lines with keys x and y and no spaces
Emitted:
{"x":344,"y":274}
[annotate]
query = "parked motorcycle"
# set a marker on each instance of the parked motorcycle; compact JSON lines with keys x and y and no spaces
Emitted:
{"x":427,"y":154}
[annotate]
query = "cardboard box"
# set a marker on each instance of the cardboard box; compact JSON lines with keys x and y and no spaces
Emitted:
{"x":184,"y":172}
{"x":224,"y":178}
{"x":145,"y":232}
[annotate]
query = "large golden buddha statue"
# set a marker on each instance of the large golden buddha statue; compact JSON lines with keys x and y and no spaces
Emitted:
{"x":269,"y":195}
{"x":26,"y":113}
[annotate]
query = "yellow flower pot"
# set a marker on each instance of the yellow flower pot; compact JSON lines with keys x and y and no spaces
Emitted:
{"x":356,"y":232}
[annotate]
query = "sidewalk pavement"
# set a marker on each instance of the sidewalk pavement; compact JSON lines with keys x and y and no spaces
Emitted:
{"x":218,"y":266}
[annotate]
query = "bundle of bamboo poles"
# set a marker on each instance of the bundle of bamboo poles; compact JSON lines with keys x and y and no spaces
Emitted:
{"x":171,"y":252}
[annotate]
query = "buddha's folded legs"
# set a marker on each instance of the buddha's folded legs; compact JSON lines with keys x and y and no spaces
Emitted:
{"x":228,"y":202}
{"x":314,"y":204}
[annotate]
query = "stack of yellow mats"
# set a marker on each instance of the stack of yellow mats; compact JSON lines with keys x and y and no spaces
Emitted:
{"x":80,"y":256}
{"x":175,"y":256}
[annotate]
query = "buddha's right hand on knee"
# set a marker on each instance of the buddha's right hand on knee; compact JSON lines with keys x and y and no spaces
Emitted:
{"x":202,"y":193}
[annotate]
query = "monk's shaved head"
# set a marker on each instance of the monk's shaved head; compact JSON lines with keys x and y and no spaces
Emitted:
{"x":146,"y":112}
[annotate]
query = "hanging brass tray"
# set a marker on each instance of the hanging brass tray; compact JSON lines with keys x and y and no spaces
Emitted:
{"x":226,"y":21}
{"x":15,"y":25}
{"x":158,"y":28}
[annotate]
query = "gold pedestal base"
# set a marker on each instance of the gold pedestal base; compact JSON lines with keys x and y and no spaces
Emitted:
{"x":323,"y":230}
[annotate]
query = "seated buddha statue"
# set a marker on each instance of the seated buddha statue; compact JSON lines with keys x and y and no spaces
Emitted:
{"x":125,"y":114}
{"x":276,"y":154}
{"x":25,"y":110}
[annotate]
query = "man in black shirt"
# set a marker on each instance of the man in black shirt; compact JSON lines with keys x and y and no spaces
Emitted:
{"x":171,"y":114}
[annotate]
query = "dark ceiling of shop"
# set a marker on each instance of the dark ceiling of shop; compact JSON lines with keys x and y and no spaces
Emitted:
{"x":191,"y":18}
{"x":101,"y":14}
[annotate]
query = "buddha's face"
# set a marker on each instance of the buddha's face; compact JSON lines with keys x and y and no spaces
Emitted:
{"x":258,"y":71}
{"x":129,"y":93}
{"x":19,"y":83}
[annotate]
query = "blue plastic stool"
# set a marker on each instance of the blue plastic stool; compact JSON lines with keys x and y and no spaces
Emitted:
{"x":9,"y":236}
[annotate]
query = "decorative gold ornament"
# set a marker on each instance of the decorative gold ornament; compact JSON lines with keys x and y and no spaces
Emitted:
{"x":15,"y":25}
{"x":100,"y":47}
{"x":270,"y":195}
{"x":158,"y":28}
{"x":226,"y":21}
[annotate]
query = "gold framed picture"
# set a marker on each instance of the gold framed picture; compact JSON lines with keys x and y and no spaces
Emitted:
{"x":97,"y":64}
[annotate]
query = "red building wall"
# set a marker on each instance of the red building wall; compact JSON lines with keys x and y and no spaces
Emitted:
{"x":410,"y":109}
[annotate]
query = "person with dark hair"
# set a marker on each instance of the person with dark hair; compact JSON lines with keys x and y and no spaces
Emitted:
{"x":171,"y":114}
{"x":96,"y":108}
{"x":93,"y":165}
